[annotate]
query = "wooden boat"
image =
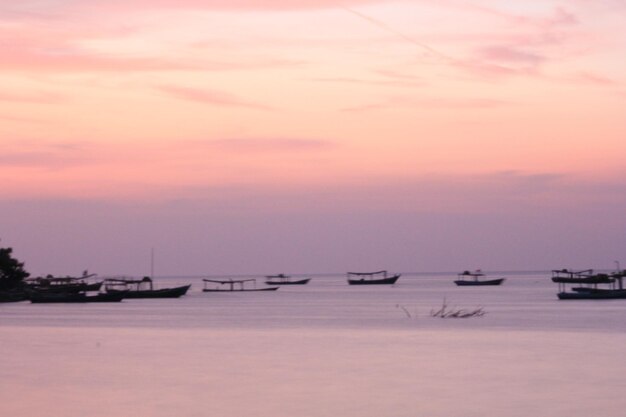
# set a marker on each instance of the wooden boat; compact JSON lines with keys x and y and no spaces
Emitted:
{"x":142,"y":288}
{"x":589,"y":290}
{"x":371,"y":278}
{"x":12,"y":296}
{"x":64,"y":284}
{"x":470,"y":279}
{"x":565,"y":276}
{"x":58,"y":297}
{"x":231,"y":285}
{"x":282,"y":279}
{"x":592,"y":294}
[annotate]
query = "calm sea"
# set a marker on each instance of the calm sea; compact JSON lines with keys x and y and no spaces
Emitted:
{"x":324,"y":349}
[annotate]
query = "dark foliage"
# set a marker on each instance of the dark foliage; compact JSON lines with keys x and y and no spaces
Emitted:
{"x":12,"y":273}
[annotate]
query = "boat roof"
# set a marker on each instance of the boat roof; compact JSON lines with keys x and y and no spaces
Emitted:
{"x":227,"y":281}
{"x":51,"y":278}
{"x":367,"y":273}
{"x":567,"y":271}
{"x":128,"y":280}
{"x":477,"y":273}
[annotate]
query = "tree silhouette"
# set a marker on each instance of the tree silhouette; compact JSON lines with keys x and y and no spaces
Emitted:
{"x":12,"y":273}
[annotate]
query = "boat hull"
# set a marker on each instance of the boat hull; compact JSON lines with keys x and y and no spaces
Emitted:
{"x":67,"y":288}
{"x":381,"y":281}
{"x":160,"y":293}
{"x":298,"y":282}
{"x":585,"y":280}
{"x":239,"y":290}
{"x":464,"y":283}
{"x":75,"y":298}
{"x":12,"y":296}
{"x":592,"y":294}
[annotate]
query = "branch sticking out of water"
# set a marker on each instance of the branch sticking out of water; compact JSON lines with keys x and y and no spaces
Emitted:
{"x":452,"y":313}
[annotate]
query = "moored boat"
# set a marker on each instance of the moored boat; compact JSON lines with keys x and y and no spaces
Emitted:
{"x":589,"y":281}
{"x":65,"y":285}
{"x":58,"y":297}
{"x":142,"y":288}
{"x":282,"y":279}
{"x":12,"y":296}
{"x":372,"y":278}
{"x":471,"y":279}
{"x":592,"y":294}
{"x":232,"y":285}
{"x":565,"y":276}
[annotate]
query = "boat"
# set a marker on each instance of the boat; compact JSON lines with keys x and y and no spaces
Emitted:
{"x":67,"y":284}
{"x":59,"y":297}
{"x":470,"y":279}
{"x":565,"y":276}
{"x":590,"y":290}
{"x":592,"y":294}
{"x":282,"y":279}
{"x":232,"y":285}
{"x":12,"y":296}
{"x":371,"y":278}
{"x":142,"y":288}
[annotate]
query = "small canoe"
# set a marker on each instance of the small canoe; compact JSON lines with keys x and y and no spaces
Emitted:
{"x":174,"y":292}
{"x":239,"y":290}
{"x":288,"y":282}
{"x":462,"y":283}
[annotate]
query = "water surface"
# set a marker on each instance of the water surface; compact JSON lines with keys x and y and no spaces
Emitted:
{"x":325,"y":349}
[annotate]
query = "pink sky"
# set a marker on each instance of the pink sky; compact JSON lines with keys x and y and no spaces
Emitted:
{"x":312,"y":136}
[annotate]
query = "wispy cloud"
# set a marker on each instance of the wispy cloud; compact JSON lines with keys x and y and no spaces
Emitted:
{"x":499,"y":60}
{"x":511,"y":54}
{"x":593,"y":79}
{"x":388,"y":28}
{"x":32,"y":97}
{"x":263,"y":145}
{"x":44,"y":156}
{"x":210,"y":97}
{"x":396,"y":81}
{"x":52,"y":8}
{"x":257,"y":5}
{"x":431,"y":103}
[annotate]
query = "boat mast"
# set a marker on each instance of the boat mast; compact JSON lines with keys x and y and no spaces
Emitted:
{"x":152,"y":263}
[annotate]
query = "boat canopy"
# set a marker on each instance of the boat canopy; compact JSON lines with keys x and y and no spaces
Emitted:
{"x":368,"y":273}
{"x":477,"y":273}
{"x":567,"y":271}
{"x":281,"y":276}
{"x":49,"y":279}
{"x":127,"y":280}
{"x":228,"y":281}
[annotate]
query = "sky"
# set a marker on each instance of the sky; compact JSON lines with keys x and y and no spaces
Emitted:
{"x":312,"y":136}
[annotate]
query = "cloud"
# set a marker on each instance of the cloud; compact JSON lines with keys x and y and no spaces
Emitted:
{"x":593,"y":78}
{"x":431,"y":103}
{"x":26,"y":9}
{"x":395,"y":81}
{"x":511,"y":54}
{"x":388,"y":28}
{"x":32,"y":97}
{"x":24,"y":120}
{"x":558,"y":17}
{"x":52,"y":47}
{"x":210,"y":97}
{"x":62,"y":58}
{"x":54,"y":157}
{"x":257,"y":5}
{"x":263,"y":145}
